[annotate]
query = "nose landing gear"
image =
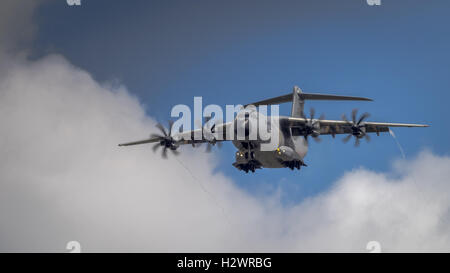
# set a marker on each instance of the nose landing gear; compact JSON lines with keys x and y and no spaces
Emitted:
{"x":251,"y":165}
{"x":246,"y":161}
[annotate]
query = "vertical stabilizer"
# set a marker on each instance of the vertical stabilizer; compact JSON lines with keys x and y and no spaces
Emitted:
{"x":297,"y":103}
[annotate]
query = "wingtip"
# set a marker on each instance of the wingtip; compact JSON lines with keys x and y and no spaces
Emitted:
{"x":365,"y":99}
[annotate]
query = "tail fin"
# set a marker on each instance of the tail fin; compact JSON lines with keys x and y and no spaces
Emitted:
{"x":297,"y":103}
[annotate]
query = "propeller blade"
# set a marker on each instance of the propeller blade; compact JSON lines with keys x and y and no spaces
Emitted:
{"x":161,"y":128}
{"x":170,"y":127}
{"x":312,"y":112}
{"x":357,"y":142}
{"x":363,"y":117}
{"x":317,"y":139}
{"x":164,"y":153}
{"x":207,"y":119}
{"x":347,"y":138}
{"x":333,"y":130}
{"x":213,"y":127}
{"x":155,"y":147}
{"x":155,"y":136}
{"x":354,"y":113}
{"x":175,"y":152}
{"x":367,"y":137}
{"x":344,"y":118}
{"x":209,"y":148}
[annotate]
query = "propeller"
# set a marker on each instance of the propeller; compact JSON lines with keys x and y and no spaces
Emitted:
{"x":209,"y":135}
{"x":165,"y":140}
{"x":312,"y":126}
{"x":358,"y":127}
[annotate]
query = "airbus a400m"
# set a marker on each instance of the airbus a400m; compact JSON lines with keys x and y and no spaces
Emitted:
{"x":292,"y":133}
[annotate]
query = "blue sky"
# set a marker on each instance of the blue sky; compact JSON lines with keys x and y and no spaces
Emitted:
{"x":233,"y":52}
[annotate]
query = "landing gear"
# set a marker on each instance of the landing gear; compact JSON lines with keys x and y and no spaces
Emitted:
{"x":246,"y":159}
{"x":251,"y":166}
{"x":294,"y":164}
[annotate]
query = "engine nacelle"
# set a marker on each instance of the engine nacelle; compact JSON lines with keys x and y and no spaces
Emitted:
{"x":286,"y":153}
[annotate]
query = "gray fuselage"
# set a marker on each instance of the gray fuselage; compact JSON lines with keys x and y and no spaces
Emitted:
{"x":287,"y":149}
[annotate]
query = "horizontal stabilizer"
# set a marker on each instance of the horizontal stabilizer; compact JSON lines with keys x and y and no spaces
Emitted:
{"x":307,"y":96}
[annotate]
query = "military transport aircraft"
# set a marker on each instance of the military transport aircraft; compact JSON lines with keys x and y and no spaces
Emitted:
{"x":292,"y":131}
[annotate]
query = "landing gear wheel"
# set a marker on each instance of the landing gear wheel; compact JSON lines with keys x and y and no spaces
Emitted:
{"x":294,"y":164}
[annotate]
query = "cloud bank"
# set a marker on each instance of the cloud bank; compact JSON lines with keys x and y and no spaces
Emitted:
{"x":62,"y":178}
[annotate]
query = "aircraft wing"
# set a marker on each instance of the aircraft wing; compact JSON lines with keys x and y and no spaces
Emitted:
{"x":334,"y":127}
{"x":327,"y":127}
{"x":145,"y":141}
{"x":189,"y":137}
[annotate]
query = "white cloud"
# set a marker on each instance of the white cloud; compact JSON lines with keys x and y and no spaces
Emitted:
{"x":62,"y":178}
